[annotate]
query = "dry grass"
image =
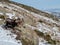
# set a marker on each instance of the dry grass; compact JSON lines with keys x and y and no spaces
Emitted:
{"x":35,"y":10}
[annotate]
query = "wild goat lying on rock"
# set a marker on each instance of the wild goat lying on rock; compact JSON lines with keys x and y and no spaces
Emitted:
{"x":11,"y":23}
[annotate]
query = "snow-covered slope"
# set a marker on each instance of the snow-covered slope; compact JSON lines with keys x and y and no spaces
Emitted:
{"x":38,"y":28}
{"x":8,"y":38}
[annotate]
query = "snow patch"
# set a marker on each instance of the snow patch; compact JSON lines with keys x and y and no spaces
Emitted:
{"x":42,"y":42}
{"x":6,"y":39}
{"x":10,"y":15}
{"x":1,"y":13}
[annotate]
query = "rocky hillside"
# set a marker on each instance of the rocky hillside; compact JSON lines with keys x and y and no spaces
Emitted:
{"x":38,"y":27}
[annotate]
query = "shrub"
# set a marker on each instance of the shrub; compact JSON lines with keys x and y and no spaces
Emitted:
{"x":41,"y":34}
{"x":2,"y":17}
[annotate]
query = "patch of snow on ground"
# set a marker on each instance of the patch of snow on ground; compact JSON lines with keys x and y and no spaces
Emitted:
{"x":42,"y":42}
{"x":10,"y":15}
{"x":1,"y":13}
{"x":0,"y":19}
{"x":6,"y":39}
{"x":1,"y":4}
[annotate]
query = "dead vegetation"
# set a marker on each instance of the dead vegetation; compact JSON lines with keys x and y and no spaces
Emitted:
{"x":2,"y":16}
{"x":46,"y":37}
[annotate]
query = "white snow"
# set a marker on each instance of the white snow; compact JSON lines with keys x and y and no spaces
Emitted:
{"x":42,"y":42}
{"x":1,"y":13}
{"x":10,"y":15}
{"x":1,"y":4}
{"x":6,"y":39}
{"x":0,"y":19}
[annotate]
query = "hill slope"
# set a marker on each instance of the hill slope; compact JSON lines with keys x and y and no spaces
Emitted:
{"x":38,"y":27}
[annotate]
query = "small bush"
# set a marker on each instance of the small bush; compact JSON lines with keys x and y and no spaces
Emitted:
{"x":47,"y":37}
{"x":2,"y":17}
{"x":52,"y":42}
{"x":41,"y":34}
{"x":40,"y":21}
